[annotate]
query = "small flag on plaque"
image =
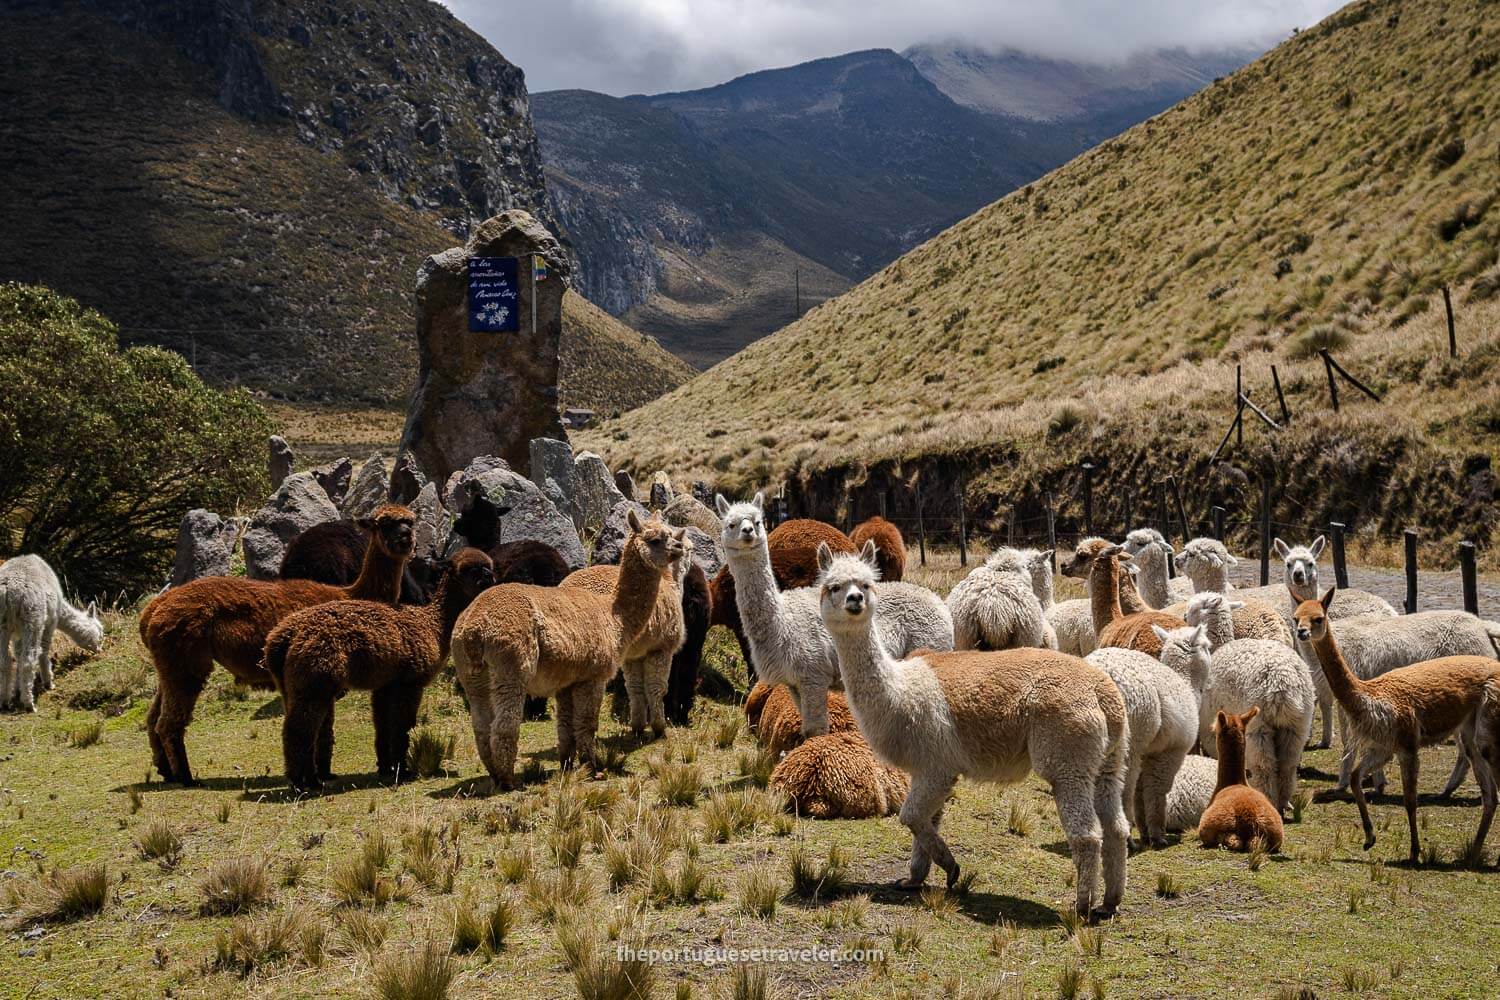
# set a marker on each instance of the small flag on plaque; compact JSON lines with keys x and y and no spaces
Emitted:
{"x":538,"y":267}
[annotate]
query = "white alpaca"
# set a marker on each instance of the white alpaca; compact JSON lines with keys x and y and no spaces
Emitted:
{"x":1206,"y":563}
{"x":1248,"y":619}
{"x":1162,"y":709}
{"x":1375,"y":644}
{"x":1149,"y":551}
{"x":788,"y":641}
{"x":994,"y":716}
{"x":1192,"y":791}
{"x":997,"y":605}
{"x":1072,"y":621}
{"x":1246,"y":673}
{"x":32,"y":608}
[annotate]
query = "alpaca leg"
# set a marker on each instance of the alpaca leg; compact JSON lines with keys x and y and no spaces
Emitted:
{"x":7,"y":673}
{"x":1260,"y":760}
{"x":480,"y":715}
{"x":635,"y":690}
{"x":1155,"y":784}
{"x":1115,"y":831}
{"x":158,"y":750}
{"x":403,"y":719}
{"x":1409,"y":768}
{"x":1080,"y":817}
{"x":812,"y":702}
{"x":29,"y":655}
{"x":1484,"y":773}
{"x":44,"y":665}
{"x":508,"y":701}
{"x":381,"y":712}
{"x":179,"y":693}
{"x":1346,"y":759}
{"x":1460,"y":768}
{"x":567,"y":746}
{"x":682,"y":682}
{"x":1326,"y":708}
{"x":924,"y":803}
{"x":1289,"y":744}
{"x":323,"y":756}
{"x":1357,"y":785}
{"x":1134,"y":816}
{"x":300,"y":727}
{"x":588,"y":697}
{"x":658,"y":669}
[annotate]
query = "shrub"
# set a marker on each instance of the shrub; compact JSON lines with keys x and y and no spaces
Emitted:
{"x":1067,"y":417}
{"x":100,"y":456}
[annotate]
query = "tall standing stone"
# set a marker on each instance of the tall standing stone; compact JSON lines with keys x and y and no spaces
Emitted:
{"x":281,"y":460}
{"x":205,"y":543}
{"x":482,"y":393}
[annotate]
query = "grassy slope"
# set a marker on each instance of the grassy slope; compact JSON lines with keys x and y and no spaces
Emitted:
{"x":130,"y":189}
{"x":1289,"y":924}
{"x":1157,"y":253}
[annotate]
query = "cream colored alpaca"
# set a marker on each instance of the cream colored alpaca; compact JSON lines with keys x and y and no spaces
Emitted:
{"x":994,"y":716}
{"x":648,"y":661}
{"x":517,"y":640}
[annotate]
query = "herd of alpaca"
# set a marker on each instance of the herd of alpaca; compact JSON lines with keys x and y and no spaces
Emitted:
{"x":1157,"y":704}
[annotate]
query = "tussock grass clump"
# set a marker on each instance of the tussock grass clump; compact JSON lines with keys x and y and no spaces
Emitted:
{"x":1070,"y":980}
{"x":66,"y":894}
{"x":751,"y":982}
{"x":1066,"y":418}
{"x":1300,"y":801}
{"x":272,"y":938}
{"x":728,"y":814}
{"x":1358,"y":980}
{"x":813,"y":880}
{"x":495,"y":925}
{"x":598,"y":974}
{"x":222,"y":812}
{"x":235,"y":885}
{"x":549,"y":895}
{"x":1260,"y":850}
{"x":85,"y":735}
{"x":427,"y":751}
{"x":1167,"y":886}
{"x":1021,"y":818}
{"x":908,"y":937}
{"x":679,"y":784}
{"x":468,"y":927}
{"x":567,"y":846}
{"x":1324,"y":337}
{"x":514,"y":865}
{"x":759,"y":890}
{"x":937,"y":901}
{"x":727,"y":731}
{"x":364,"y":930}
{"x":757,"y":765}
{"x":160,"y":843}
{"x":424,"y":972}
{"x":689,"y":882}
{"x":360,"y":879}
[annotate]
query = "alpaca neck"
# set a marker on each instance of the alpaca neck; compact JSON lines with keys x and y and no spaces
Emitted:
{"x":1220,"y":627}
{"x":448,"y":602}
{"x":1215,"y":578}
{"x":872,"y":680}
{"x":755,"y":592}
{"x":1130,"y":598}
{"x":635,"y":595}
{"x":379,"y":578}
{"x":1306,"y":592}
{"x":1104,"y":594}
{"x":1154,"y":589}
{"x":75,"y":624}
{"x":1348,"y":689}
{"x":1231,"y":761}
{"x":1041,"y":580}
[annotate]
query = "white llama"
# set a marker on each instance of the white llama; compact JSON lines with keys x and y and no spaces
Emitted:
{"x":32,"y":608}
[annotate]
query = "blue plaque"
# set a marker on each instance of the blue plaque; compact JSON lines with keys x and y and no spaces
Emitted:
{"x":494,"y":295}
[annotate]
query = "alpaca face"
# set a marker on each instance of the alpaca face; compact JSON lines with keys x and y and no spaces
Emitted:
{"x":1083,"y":558}
{"x":660,"y":544}
{"x":474,"y":572}
{"x":1301,"y":566}
{"x":1203,"y":554}
{"x":846,"y":595}
{"x":91,"y":637}
{"x":1311,"y":618}
{"x":394,"y":528}
{"x":1142,"y":539}
{"x":744,"y":524}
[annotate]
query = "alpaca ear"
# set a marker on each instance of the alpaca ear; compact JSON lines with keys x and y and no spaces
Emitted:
{"x":93,"y":610}
{"x":680,"y":534}
{"x":1200,"y":634}
{"x":1254,"y":711}
{"x":759,"y":501}
{"x":1160,"y":633}
{"x":633,"y":519}
{"x":1236,"y":605}
{"x":1317,"y":546}
{"x":1231,"y":560}
{"x":868,"y":554}
{"x":720,"y":504}
{"x":825,"y":557}
{"x":365,"y":523}
{"x":1328,"y":597}
{"x":1126,"y":557}
{"x":1220,"y":722}
{"x":1281,"y":548}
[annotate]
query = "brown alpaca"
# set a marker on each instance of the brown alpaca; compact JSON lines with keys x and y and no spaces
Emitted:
{"x":226,"y":620}
{"x":890,"y":547}
{"x":1113,"y":625}
{"x":1238,"y":813}
{"x":1398,"y":713}
{"x":836,"y":776}
{"x":648,"y":659}
{"x":317,"y":655}
{"x":794,"y":563}
{"x":779,"y":726}
{"x":518,"y":640}
{"x":755,"y":703}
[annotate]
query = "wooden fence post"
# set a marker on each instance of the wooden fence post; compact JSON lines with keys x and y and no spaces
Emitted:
{"x":1265,"y":530}
{"x":1163,"y":513}
{"x":1286,"y":416}
{"x":1010,"y":527}
{"x":1239,"y":394}
{"x":1452,"y":336}
{"x":963,"y":541}
{"x":1333,"y":388}
{"x":1051,"y":534}
{"x":1129,"y":510}
{"x":1468,"y":571}
{"x":921,"y":526}
{"x":1219,"y":513}
{"x":1181,"y":510}
{"x":848,"y":512}
{"x":1340,"y":563}
{"x":1410,"y":538}
{"x":1088,"y":498}
{"x":882,"y":504}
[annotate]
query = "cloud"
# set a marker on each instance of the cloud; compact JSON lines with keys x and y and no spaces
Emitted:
{"x":648,"y":46}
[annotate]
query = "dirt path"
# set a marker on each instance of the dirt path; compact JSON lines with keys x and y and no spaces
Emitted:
{"x":1436,"y":590}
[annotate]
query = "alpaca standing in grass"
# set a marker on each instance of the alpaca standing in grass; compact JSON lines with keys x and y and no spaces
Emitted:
{"x":1249,"y":619}
{"x":890,"y":547}
{"x":317,"y":655}
{"x":682,"y":678}
{"x":1398,"y":713}
{"x":226,"y":620}
{"x":33,"y":608}
{"x":517,"y":640}
{"x":992,"y":716}
{"x":1113,"y":625}
{"x":996,"y":606}
{"x":788,"y":641}
{"x":1238,"y":814}
{"x":647,"y":664}
{"x":1162,"y":710}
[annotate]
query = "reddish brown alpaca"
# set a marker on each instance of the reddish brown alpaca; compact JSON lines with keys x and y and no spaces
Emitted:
{"x":890,"y":547}
{"x":779,"y":724}
{"x":226,"y":620}
{"x":1238,"y":813}
{"x":318,"y":654}
{"x":1398,"y":713}
{"x":1113,"y":625}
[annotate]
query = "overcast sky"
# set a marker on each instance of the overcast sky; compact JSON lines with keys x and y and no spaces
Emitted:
{"x":649,"y":46}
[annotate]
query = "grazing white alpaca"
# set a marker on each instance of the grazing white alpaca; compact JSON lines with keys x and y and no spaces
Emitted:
{"x":993,"y":716}
{"x":1149,"y":551}
{"x":997,"y":605}
{"x":1162,"y":709}
{"x":788,"y":641}
{"x":32,"y":609}
{"x":1246,"y":673}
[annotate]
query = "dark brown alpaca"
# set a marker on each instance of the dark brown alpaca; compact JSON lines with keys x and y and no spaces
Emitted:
{"x":890,"y":547}
{"x":1238,"y":813}
{"x":1398,"y":713}
{"x":317,"y":655}
{"x":682,"y":682}
{"x":1113,"y":626}
{"x":226,"y":620}
{"x":334,"y":552}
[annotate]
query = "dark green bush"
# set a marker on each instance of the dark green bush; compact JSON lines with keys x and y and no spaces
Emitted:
{"x":102,"y":451}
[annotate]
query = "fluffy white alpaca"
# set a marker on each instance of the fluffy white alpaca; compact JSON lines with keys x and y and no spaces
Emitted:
{"x":1162,"y":709}
{"x":1246,"y":673}
{"x":1192,"y":791}
{"x":1072,"y":621}
{"x":993,"y":716}
{"x":32,"y":609}
{"x":788,"y":641}
{"x":1375,"y":644}
{"x":1206,"y":563}
{"x":1149,"y":551}
{"x":1248,"y":619}
{"x":997,"y":605}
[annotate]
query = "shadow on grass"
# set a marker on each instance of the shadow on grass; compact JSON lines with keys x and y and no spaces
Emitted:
{"x":1394,"y":798}
{"x":983,"y":907}
{"x":272,"y":709}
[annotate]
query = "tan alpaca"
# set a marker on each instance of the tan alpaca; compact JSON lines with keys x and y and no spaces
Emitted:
{"x":1398,"y":713}
{"x":1113,"y":625}
{"x":1238,"y":813}
{"x":648,"y":661}
{"x":779,"y":724}
{"x":517,"y":640}
{"x":836,"y":776}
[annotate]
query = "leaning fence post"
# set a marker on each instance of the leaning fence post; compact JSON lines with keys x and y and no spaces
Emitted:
{"x":1088,"y":498}
{"x":1181,"y":510}
{"x":1452,"y":336}
{"x":1051,"y":534}
{"x":1333,"y":389}
{"x":1163,"y":513}
{"x":1286,"y":416}
{"x":1239,"y":394}
{"x":1340,"y":564}
{"x":963,"y":542}
{"x":1219,"y":523}
{"x":1265,"y":531}
{"x":1467,"y":570}
{"x":921,"y":526}
{"x":1410,"y":538}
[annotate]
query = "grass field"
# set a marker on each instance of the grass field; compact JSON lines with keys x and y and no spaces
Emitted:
{"x":1323,"y":916}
